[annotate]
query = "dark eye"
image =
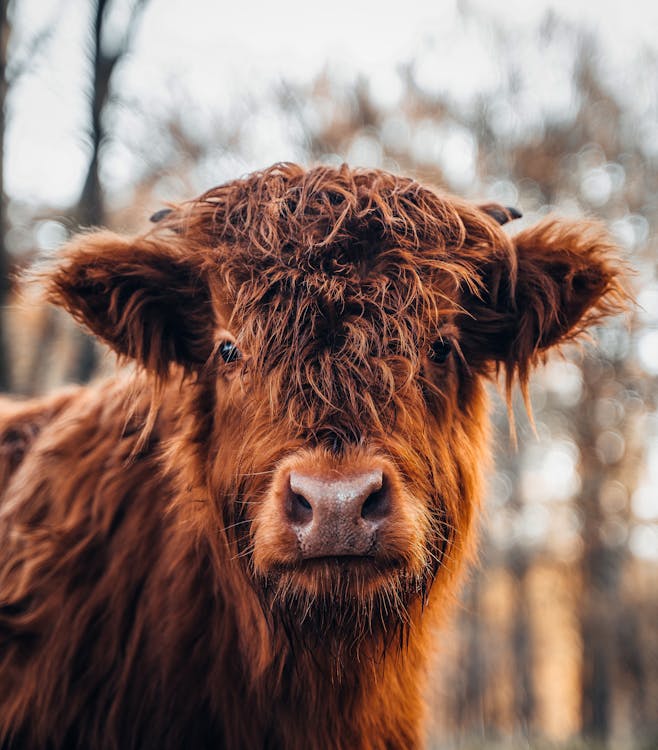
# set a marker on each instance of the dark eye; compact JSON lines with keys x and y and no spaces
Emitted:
{"x":229,"y":351}
{"x":440,"y":351}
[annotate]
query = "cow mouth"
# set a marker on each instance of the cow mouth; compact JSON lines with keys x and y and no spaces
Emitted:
{"x":342,"y":576}
{"x":342,"y":563}
{"x":364,"y":563}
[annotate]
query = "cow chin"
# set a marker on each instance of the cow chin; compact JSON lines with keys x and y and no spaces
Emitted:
{"x":345,"y":600}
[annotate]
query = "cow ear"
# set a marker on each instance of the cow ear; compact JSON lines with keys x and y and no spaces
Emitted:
{"x":561,"y":277}
{"x":144,"y":297}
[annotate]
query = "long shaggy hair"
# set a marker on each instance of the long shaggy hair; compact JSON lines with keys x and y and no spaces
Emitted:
{"x":153,"y":593}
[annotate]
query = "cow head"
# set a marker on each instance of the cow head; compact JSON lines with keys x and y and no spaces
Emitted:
{"x":334,"y":328}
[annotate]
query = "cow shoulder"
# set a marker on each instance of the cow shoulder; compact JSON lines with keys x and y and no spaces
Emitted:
{"x":81,"y":529}
{"x":21,"y":422}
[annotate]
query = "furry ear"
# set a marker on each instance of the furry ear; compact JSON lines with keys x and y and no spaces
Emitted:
{"x":146,"y":299}
{"x":563,"y":277}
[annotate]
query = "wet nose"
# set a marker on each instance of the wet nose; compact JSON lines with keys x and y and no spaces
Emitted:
{"x":336,"y":516}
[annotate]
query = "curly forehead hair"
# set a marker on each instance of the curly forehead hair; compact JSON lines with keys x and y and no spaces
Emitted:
{"x":295,"y":216}
{"x":359,"y":268}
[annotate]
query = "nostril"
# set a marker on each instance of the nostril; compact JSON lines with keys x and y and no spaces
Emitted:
{"x":301,"y":500}
{"x":377,"y":504}
{"x":299,"y":509}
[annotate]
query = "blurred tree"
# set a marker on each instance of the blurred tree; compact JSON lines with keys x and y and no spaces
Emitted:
{"x":5,"y":265}
{"x":22,"y":60}
{"x":105,"y":53}
{"x":91,"y":206}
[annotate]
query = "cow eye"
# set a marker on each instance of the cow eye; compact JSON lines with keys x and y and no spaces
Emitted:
{"x":229,"y":352}
{"x":440,"y":351}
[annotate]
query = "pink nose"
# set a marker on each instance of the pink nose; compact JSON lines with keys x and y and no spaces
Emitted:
{"x":338,"y":516}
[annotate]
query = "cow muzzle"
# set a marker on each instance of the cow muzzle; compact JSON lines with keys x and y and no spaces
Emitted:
{"x":327,"y":513}
{"x":337,"y":515}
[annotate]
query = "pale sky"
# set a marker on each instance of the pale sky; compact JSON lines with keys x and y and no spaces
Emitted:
{"x":218,"y":55}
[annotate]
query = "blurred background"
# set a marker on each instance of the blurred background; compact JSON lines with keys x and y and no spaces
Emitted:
{"x":112,"y":107}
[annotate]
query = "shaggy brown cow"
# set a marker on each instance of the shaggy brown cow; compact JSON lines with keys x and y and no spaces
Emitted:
{"x":247,"y":543}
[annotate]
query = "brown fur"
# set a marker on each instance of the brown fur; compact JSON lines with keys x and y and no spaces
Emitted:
{"x":149,"y":596}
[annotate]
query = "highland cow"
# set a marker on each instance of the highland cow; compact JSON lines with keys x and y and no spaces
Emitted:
{"x":248,"y":541}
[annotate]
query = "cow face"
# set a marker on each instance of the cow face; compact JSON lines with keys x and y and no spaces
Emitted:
{"x":336,"y":327}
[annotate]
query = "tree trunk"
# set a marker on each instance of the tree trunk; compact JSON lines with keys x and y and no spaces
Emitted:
{"x":524,"y":697}
{"x":91,"y":205}
{"x":600,"y":567}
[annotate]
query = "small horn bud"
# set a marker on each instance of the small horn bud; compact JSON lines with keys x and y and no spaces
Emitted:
{"x":501,"y":214}
{"x":160,"y":215}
